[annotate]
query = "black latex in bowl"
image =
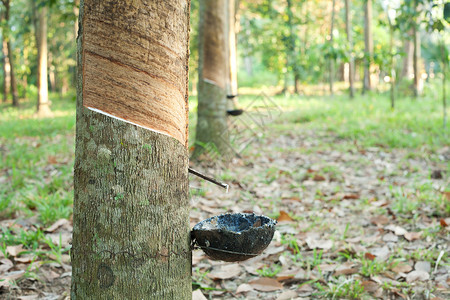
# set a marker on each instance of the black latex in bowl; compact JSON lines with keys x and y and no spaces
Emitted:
{"x":234,"y":237}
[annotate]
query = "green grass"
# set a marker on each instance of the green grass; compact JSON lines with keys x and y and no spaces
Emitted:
{"x":37,"y":161}
{"x":36,"y":171}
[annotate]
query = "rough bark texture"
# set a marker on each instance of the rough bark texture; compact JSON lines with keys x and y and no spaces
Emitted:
{"x":212,"y":129}
{"x":351,"y":61}
{"x":232,"y":59}
{"x":6,"y":37}
{"x":131,"y":235}
{"x":416,"y":62}
{"x":332,"y":60}
{"x":292,"y":51}
{"x":14,"y":93}
{"x":6,"y":71}
{"x":232,"y":84}
{"x":407,"y":69}
{"x":368,"y":45}
{"x":43,"y":104}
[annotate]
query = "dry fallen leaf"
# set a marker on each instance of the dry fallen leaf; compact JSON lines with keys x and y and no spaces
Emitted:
{"x":243,"y":288}
{"x":370,"y":286}
{"x":382,"y":253}
{"x":5,"y":278}
{"x":25,"y":258}
{"x":28,"y":297}
{"x":345,"y":271}
{"x":447,"y":195}
{"x":369,"y":256}
{"x":390,"y":237}
{"x":284,"y":217}
{"x":417,"y":275}
{"x":412,"y":236}
{"x":57,"y":224}
{"x":198,"y":295}
{"x":52,"y":160}
{"x":380,"y":220}
{"x":402,"y":268}
{"x":423,"y":266}
{"x":287,"y":295}
{"x":225,"y":271}
{"x":5,"y":265}
{"x":318,"y":177}
{"x":443,"y":223}
{"x":265,"y":284}
{"x":351,"y":196}
{"x":318,"y":244}
{"x":14,"y":250}
{"x":347,"y":268}
{"x":396,"y":229}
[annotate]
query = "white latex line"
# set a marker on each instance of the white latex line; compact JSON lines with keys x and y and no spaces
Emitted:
{"x":210,"y":81}
{"x":126,"y":121}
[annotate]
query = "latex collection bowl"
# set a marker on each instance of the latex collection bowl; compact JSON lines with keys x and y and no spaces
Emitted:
{"x":234,"y":237}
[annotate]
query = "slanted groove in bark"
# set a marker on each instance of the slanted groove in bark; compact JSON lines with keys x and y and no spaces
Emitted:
{"x":131,"y":235}
{"x":124,"y":36}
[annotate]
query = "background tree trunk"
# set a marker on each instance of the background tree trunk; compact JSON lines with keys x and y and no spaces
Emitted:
{"x":7,"y":37}
{"x":6,"y":71}
{"x":212,"y":128}
{"x":131,"y":236}
{"x":407,"y":69}
{"x":331,"y":79}
{"x":416,"y":62}
{"x":43,"y":104}
{"x":351,"y":61}
{"x":368,"y":45}
{"x":232,"y":82}
{"x":292,"y":53}
{"x":14,"y":93}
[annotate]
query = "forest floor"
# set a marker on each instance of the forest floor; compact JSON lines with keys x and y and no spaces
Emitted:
{"x":361,"y":195}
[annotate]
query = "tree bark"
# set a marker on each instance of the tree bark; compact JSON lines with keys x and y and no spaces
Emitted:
{"x":51,"y":73}
{"x":6,"y":71}
{"x":212,"y":128}
{"x":351,"y":61}
{"x":368,"y":45}
{"x":6,"y":36}
{"x":392,"y":66}
{"x":43,"y":104}
{"x":232,"y":83}
{"x":407,"y":69}
{"x":416,"y":62}
{"x":331,"y":79}
{"x":131,"y":237}
{"x":292,"y":53}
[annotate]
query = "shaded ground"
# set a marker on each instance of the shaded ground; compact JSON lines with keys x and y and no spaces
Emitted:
{"x":357,"y":219}
{"x":353,"y":222}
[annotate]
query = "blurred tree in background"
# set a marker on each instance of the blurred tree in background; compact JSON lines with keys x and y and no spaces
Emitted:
{"x":282,"y":44}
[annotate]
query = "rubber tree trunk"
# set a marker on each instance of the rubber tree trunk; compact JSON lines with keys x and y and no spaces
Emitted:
{"x":416,"y":62}
{"x":392,"y":65}
{"x":444,"y":78}
{"x":351,"y":61}
{"x":232,"y":82}
{"x":212,"y":129}
{"x":6,"y":71}
{"x":131,"y":237}
{"x":292,"y":52}
{"x":43,"y":104}
{"x":6,"y":36}
{"x":368,"y":45}
{"x":407,"y":68}
{"x":332,"y":59}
